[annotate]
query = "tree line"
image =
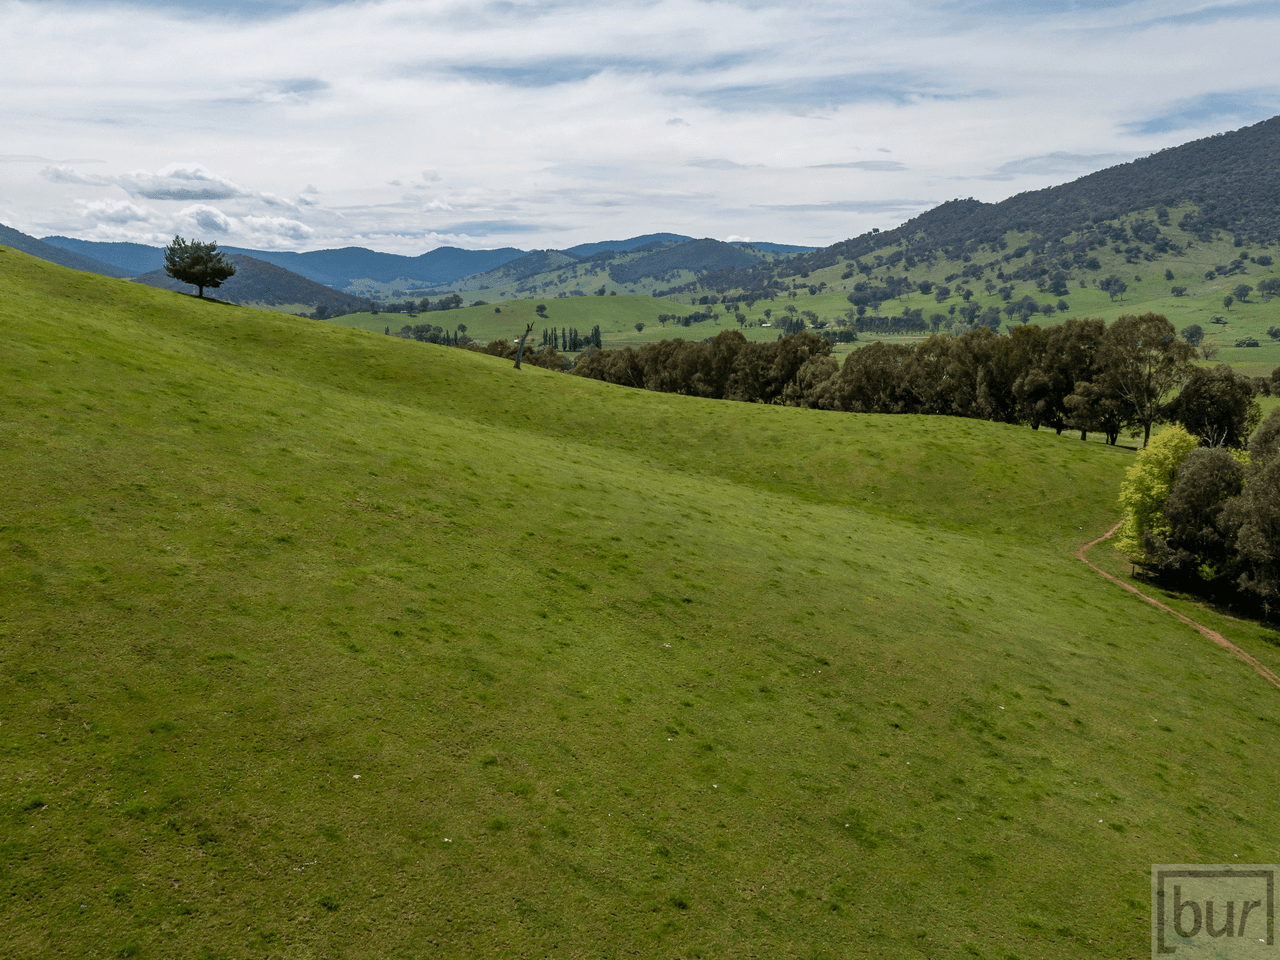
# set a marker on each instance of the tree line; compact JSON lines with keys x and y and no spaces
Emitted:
{"x":569,"y":339}
{"x":1208,"y":517}
{"x":414,"y":307}
{"x":1080,"y":375}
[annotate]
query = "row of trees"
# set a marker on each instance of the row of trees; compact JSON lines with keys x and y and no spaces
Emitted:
{"x":1081,"y":374}
{"x":413,"y":308}
{"x":569,"y":339}
{"x":433,"y":333}
{"x":1208,"y":517}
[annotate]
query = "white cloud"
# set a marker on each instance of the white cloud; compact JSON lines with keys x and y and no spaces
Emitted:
{"x":580,"y":120}
{"x":63,"y":173}
{"x":892,"y":166}
{"x":717,"y":163}
{"x":206,"y":218}
{"x":180,"y":181}
{"x":116,"y":211}
{"x":274,"y":229}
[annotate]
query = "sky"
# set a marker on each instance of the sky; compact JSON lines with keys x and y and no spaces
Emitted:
{"x":405,"y":125}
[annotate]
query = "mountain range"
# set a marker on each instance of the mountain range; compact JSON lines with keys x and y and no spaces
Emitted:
{"x":1154,"y":208}
{"x":343,"y":268}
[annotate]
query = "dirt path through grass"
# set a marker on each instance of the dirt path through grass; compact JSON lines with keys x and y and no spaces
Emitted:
{"x":1264,"y":671}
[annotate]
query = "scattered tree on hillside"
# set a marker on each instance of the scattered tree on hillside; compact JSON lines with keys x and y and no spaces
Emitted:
{"x":1193,"y":334}
{"x":1114,"y":286}
{"x":198,"y":263}
{"x":1242,"y":292}
{"x":639,"y":327}
{"x":1228,"y":300}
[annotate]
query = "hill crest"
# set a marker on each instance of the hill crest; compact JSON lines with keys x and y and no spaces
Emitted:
{"x":259,"y":282}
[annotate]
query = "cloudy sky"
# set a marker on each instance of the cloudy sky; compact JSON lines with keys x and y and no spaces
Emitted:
{"x":402,"y":125}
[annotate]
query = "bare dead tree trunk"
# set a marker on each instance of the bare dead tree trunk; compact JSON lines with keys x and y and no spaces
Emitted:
{"x":520,"y":348}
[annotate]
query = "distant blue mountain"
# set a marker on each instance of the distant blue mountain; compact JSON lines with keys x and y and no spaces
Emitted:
{"x":134,"y":258}
{"x":626,"y":246}
{"x":337,"y":268}
{"x":772,"y":247}
{"x":55,"y":254}
{"x":333,"y":268}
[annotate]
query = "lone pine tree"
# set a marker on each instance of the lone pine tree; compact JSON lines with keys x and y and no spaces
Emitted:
{"x":197,"y":263}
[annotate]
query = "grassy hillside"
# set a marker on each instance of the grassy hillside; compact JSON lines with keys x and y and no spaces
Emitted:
{"x":321,"y":643}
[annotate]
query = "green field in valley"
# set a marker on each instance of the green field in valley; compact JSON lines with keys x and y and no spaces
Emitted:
{"x":316,"y":642}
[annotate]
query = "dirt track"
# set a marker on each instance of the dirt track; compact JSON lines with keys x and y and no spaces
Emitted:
{"x":1263,"y":670}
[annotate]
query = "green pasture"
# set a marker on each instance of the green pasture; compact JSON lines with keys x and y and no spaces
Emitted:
{"x":319,"y":643}
{"x":616,"y":316}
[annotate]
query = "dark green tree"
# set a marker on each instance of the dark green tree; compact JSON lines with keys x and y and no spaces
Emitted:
{"x":1096,"y":408}
{"x":198,"y":263}
{"x":1193,"y":334}
{"x":1114,"y":286}
{"x":1197,"y":536}
{"x":1217,"y":407}
{"x":1255,"y":518}
{"x":1142,"y":360}
{"x":1264,"y":446}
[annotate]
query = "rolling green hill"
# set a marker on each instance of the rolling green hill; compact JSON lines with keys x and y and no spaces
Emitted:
{"x":321,"y":643}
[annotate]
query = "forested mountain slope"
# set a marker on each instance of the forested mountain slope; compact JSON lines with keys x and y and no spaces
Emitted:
{"x":1228,"y":183}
